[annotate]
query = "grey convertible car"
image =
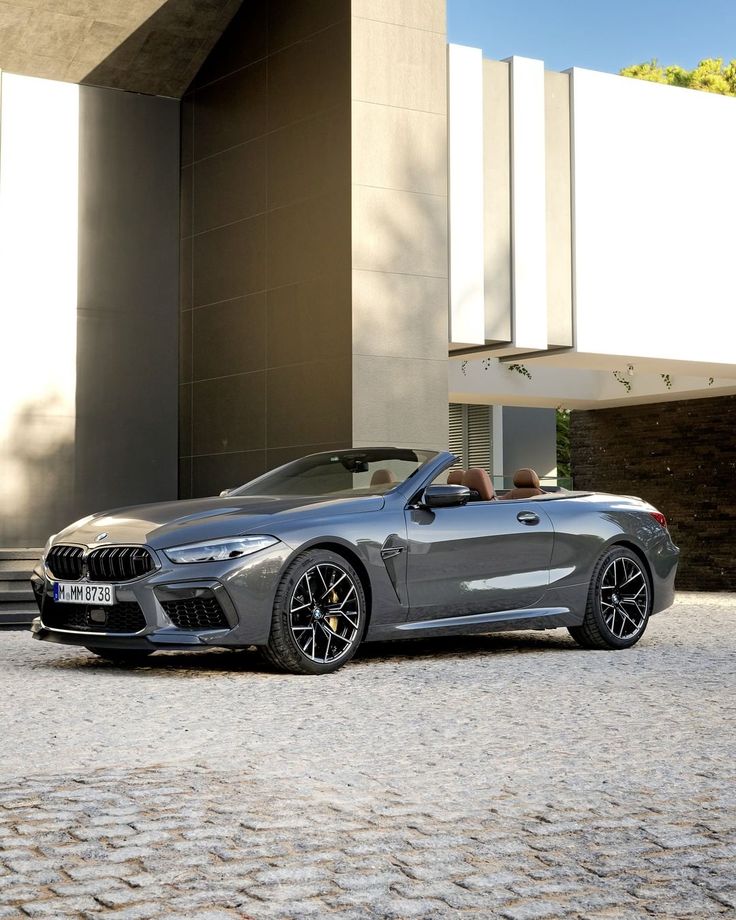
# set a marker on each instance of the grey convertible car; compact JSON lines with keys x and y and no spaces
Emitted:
{"x":307,"y":561}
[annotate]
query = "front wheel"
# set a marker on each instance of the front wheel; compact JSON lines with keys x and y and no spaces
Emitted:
{"x":619,"y":602}
{"x":318,"y":615}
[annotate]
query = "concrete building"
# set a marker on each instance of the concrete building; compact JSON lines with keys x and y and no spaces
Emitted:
{"x":235,"y":233}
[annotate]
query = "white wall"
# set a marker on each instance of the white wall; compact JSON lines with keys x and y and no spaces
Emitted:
{"x":39,"y":145}
{"x":465,"y":187}
{"x":89,"y":267}
{"x":654,"y":205}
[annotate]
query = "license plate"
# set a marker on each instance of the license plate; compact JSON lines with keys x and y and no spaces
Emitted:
{"x":66,"y":592}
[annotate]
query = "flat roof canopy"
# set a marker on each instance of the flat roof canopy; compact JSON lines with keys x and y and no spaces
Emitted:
{"x":144,"y":46}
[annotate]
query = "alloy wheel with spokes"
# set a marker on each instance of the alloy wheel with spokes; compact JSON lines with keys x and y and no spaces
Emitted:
{"x":319,"y":614}
{"x":324,"y":614}
{"x":624,"y":597}
{"x":619,"y":602}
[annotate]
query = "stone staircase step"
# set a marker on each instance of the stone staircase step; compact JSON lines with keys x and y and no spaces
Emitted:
{"x":20,"y":615}
{"x":17,"y":605}
{"x":11,"y":592}
{"x":15,"y":574}
{"x":29,"y":555}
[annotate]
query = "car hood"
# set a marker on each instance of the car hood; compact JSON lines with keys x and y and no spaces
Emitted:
{"x":173,"y":523}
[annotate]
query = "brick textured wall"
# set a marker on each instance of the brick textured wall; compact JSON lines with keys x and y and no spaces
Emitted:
{"x":680,"y":456}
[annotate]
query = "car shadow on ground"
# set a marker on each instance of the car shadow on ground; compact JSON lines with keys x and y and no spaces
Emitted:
{"x":249,"y":660}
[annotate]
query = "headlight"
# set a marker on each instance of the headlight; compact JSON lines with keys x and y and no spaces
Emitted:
{"x":219,"y":550}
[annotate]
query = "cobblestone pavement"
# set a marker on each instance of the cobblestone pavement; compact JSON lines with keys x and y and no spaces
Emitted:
{"x":510,"y":776}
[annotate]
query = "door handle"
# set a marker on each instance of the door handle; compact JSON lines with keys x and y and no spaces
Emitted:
{"x":527,"y":517}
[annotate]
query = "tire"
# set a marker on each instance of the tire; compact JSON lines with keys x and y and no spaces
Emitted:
{"x":619,"y":602}
{"x":319,"y":615}
{"x":120,"y":656}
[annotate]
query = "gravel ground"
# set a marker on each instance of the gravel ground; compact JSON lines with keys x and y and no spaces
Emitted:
{"x":511,"y":776}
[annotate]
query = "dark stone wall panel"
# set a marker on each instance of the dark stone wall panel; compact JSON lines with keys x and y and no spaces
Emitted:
{"x":266,"y":233}
{"x":231,"y":111}
{"x":228,"y":414}
{"x":309,"y":403}
{"x":127,"y":321}
{"x":681,"y":457}
{"x":230,"y":261}
{"x":230,"y":337}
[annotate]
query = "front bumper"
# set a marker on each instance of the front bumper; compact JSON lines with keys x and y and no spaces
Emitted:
{"x":243,"y":588}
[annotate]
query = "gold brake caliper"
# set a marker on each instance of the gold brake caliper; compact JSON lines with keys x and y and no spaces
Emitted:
{"x":333,"y":620}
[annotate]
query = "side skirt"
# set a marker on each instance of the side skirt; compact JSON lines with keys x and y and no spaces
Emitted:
{"x":529,"y":618}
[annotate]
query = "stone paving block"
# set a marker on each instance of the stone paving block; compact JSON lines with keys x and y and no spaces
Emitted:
{"x":18,"y":893}
{"x":359,"y":881}
{"x":490,"y":882}
{"x":535,"y":910}
{"x":290,"y":892}
{"x":106,"y":831}
{"x":137,"y":912}
{"x":55,"y":907}
{"x":490,"y":903}
{"x":290,"y":874}
{"x":105,"y":869}
{"x":207,"y":915}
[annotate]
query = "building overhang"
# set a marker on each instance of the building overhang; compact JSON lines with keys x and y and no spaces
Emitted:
{"x":151,"y":46}
{"x":575,"y":380}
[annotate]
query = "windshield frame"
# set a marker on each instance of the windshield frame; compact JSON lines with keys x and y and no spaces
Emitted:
{"x":423,"y":457}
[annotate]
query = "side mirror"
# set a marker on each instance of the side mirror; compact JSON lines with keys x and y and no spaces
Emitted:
{"x":225,"y":492}
{"x":445,"y":496}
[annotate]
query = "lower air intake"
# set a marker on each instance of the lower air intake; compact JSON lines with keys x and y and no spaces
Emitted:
{"x":196,"y":613}
{"x":124,"y":617}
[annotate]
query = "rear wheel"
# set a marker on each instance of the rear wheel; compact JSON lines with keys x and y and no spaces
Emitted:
{"x":124,"y":657}
{"x":318,"y":616}
{"x":619,"y":602}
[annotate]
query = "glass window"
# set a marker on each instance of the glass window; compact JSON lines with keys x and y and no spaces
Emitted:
{"x":369,"y":471}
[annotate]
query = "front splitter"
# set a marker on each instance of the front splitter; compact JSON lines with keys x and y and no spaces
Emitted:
{"x":150,"y":642}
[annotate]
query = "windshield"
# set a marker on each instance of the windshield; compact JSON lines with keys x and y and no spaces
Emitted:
{"x":360,"y":471}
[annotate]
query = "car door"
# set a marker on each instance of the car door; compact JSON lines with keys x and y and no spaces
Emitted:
{"x":482,"y":557}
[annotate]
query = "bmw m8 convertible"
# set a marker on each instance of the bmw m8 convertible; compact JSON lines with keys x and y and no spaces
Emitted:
{"x":312,"y":558}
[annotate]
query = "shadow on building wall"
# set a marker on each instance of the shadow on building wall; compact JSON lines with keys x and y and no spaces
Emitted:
{"x":36,"y":473}
{"x":165,"y":52}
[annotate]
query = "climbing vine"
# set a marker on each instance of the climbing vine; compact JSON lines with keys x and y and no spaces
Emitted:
{"x":520,"y":369}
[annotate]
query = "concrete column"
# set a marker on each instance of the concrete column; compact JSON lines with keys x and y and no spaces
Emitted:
{"x":399,"y":223}
{"x":529,"y":439}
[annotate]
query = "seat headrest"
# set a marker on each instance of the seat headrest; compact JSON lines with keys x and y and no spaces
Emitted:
{"x":456,"y":478}
{"x":382,"y":477}
{"x":526,"y":479}
{"x":479,"y":481}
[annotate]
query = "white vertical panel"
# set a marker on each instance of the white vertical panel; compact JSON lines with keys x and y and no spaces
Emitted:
{"x":465,"y":176}
{"x":528,"y":203}
{"x":39,"y":163}
{"x":497,"y":198}
{"x":655,"y":270}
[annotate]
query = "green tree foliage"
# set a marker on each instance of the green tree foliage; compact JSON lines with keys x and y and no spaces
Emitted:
{"x":563,"y":444}
{"x":711,"y":75}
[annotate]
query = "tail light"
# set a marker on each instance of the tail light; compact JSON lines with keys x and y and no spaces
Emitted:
{"x":659,"y":518}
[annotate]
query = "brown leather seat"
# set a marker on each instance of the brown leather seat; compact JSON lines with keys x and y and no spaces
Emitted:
{"x":383,"y":477}
{"x":478,"y":480}
{"x":526,"y":484}
{"x":456,"y":478}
